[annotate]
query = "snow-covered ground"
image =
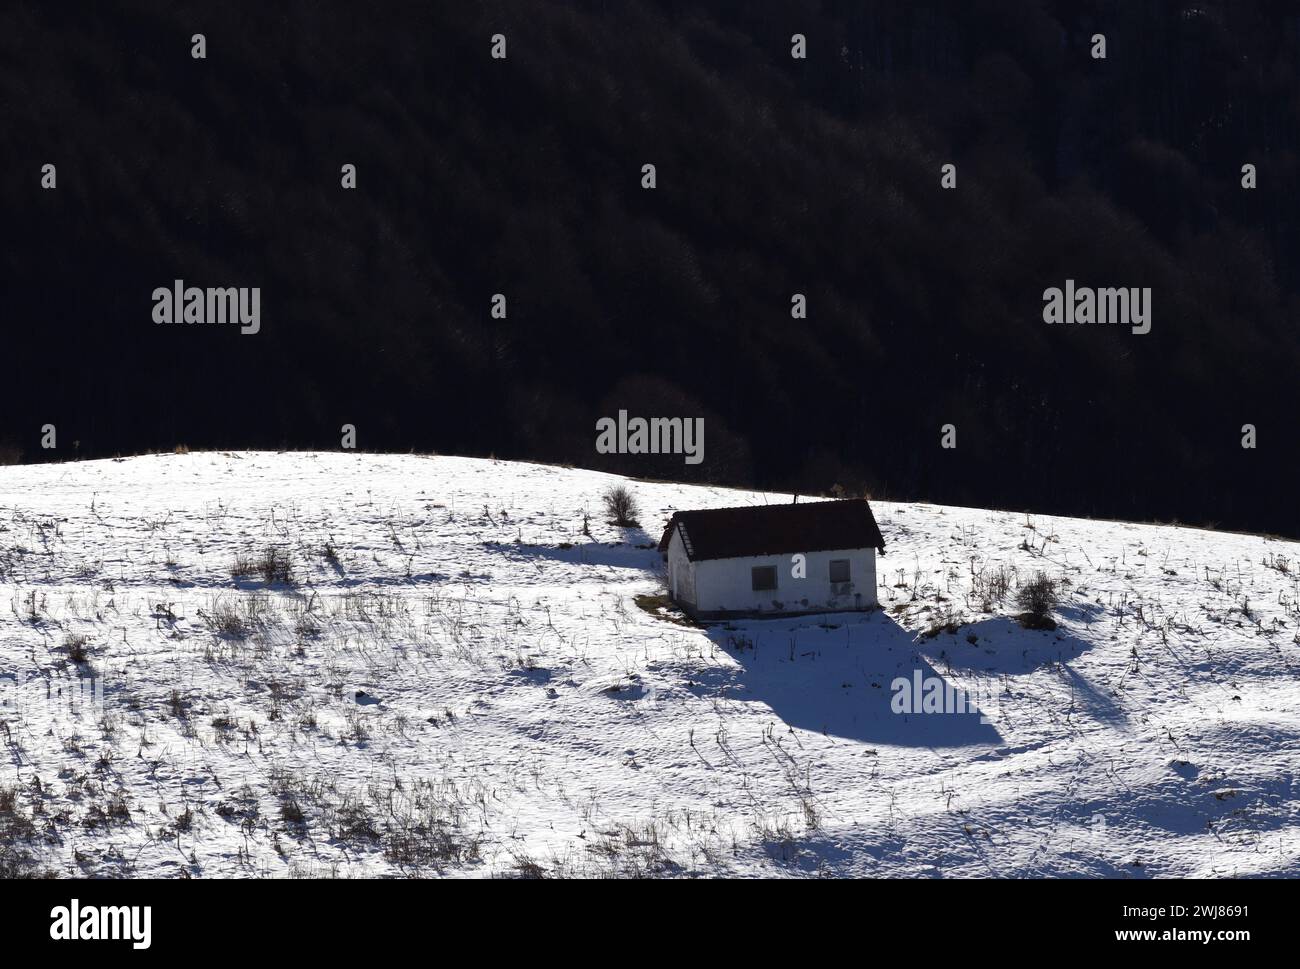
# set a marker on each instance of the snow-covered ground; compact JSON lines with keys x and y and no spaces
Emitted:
{"x":457,"y":680}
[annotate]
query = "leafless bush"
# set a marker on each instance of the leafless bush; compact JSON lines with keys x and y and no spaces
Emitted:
{"x":526,"y":867}
{"x":1038,"y":597}
{"x":272,"y":565}
{"x":225,"y":619}
{"x":621,"y":505}
{"x":78,"y":647}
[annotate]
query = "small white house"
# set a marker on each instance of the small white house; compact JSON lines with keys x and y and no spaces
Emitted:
{"x":773,"y":560}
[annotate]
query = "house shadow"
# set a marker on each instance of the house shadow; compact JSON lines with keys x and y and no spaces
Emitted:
{"x":999,"y":645}
{"x":857,"y":676}
{"x":635,"y":550}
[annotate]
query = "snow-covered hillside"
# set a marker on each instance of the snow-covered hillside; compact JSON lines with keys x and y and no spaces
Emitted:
{"x":457,"y":680}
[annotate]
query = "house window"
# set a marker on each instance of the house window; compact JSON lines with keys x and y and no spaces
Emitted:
{"x":763,"y":578}
{"x":839,"y":571}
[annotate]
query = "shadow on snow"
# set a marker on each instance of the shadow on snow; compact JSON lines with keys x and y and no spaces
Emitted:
{"x":636,"y":551}
{"x":838,"y":676}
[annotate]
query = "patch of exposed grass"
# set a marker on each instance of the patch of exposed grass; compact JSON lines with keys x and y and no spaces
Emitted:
{"x":661,"y":607}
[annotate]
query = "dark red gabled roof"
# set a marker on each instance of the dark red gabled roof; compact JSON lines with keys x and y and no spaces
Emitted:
{"x":819,"y":526}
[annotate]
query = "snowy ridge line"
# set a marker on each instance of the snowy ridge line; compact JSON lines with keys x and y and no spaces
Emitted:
{"x":508,"y":721}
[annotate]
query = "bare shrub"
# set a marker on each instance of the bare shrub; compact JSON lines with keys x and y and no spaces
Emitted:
{"x":621,"y":505}
{"x":272,"y":565}
{"x":226,"y":620}
{"x":78,"y":647}
{"x":1038,"y":597}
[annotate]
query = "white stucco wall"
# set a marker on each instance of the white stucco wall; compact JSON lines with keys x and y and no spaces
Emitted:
{"x":681,"y":577}
{"x":725,"y":584}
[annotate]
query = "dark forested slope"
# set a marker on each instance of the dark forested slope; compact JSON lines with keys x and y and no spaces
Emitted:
{"x":775,"y":176}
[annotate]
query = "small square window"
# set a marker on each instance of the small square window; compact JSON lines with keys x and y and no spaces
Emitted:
{"x":840,"y":570}
{"x":763,"y":578}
